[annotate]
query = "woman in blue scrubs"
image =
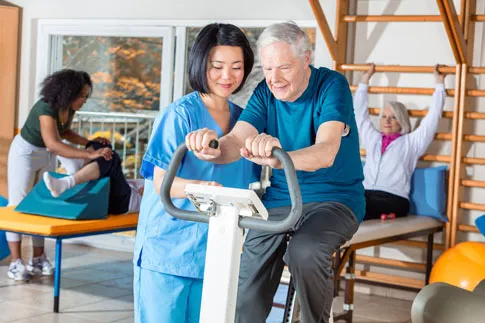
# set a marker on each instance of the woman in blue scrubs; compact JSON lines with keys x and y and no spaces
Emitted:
{"x":170,"y":253}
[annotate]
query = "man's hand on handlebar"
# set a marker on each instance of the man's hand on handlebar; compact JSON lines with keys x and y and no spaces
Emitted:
{"x":258,"y":149}
{"x":198,"y":141}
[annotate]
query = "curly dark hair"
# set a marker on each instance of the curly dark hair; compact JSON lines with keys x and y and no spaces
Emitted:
{"x":63,"y":87}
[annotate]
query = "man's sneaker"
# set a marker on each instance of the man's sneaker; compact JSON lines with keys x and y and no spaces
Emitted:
{"x":40,"y":266}
{"x":17,"y":271}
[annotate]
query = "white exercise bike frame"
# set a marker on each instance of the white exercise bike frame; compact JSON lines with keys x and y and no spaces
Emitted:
{"x":228,"y":211}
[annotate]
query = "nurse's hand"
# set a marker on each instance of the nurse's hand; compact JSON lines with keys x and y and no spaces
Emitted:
{"x":106,"y":153}
{"x":198,"y":142}
{"x":258,"y":149}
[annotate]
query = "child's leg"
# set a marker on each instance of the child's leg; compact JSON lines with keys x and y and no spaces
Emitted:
{"x":71,"y":165}
{"x":159,"y":297}
{"x":87,"y":173}
{"x":57,"y":186}
{"x":90,"y":172}
{"x":195,"y":299}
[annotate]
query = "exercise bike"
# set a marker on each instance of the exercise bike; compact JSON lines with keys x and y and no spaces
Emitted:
{"x":228,"y":211}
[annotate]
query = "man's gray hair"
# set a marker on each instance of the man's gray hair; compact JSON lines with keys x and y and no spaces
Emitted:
{"x":402,"y":116}
{"x":287,"y":32}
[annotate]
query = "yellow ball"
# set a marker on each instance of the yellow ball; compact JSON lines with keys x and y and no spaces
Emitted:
{"x":462,"y":266}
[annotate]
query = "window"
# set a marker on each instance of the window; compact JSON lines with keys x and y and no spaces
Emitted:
{"x":131,"y":64}
{"x":126,"y":71}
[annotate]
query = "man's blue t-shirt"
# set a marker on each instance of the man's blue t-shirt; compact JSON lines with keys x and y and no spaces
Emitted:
{"x":295,"y":124}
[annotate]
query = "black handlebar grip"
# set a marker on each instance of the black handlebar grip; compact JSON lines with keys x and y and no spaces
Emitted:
{"x":214,"y":143}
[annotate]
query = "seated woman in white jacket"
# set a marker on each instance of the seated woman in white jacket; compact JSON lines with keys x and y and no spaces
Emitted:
{"x":393,"y":150}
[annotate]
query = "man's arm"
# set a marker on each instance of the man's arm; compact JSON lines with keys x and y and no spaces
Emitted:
{"x":322,"y":154}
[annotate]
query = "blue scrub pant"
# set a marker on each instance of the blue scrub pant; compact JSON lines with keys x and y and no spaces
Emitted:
{"x":162,"y":298}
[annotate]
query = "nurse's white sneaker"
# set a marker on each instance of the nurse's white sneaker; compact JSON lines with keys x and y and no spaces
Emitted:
{"x":17,"y":271}
{"x":40,"y":266}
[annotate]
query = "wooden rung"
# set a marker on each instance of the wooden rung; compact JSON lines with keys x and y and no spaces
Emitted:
{"x":442,"y":136}
{"x":389,"y":279}
{"x":419,"y":244}
{"x":473,"y":161}
{"x":475,"y":92}
{"x":478,"y":18}
{"x":475,"y":115}
{"x":474,"y":138}
{"x":472,"y":183}
{"x":391,"y":18}
{"x":476,"y":70}
{"x":468,"y":228}
{"x":397,"y":68}
{"x":426,"y":157}
{"x":472,"y":206}
{"x":405,"y":90}
{"x":415,"y":113}
{"x":391,"y":262}
{"x":437,"y":158}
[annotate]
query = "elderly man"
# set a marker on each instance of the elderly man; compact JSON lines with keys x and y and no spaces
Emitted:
{"x":308,"y":112}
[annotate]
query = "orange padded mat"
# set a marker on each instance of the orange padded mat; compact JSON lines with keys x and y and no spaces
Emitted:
{"x":13,"y":221}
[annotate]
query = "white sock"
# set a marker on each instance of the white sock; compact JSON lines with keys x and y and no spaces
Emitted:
{"x":57,"y":186}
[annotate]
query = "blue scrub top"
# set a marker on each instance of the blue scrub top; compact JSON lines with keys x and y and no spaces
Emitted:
{"x":164,"y":243}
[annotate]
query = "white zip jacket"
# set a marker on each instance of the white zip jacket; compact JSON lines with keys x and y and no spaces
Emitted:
{"x":392,"y":171}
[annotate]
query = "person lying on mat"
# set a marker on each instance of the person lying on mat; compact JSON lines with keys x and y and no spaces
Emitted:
{"x":124,"y":195}
{"x":34,"y":151}
{"x":393,"y":150}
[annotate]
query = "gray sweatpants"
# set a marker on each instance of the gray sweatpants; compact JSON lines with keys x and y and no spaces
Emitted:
{"x":322,"y":229}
